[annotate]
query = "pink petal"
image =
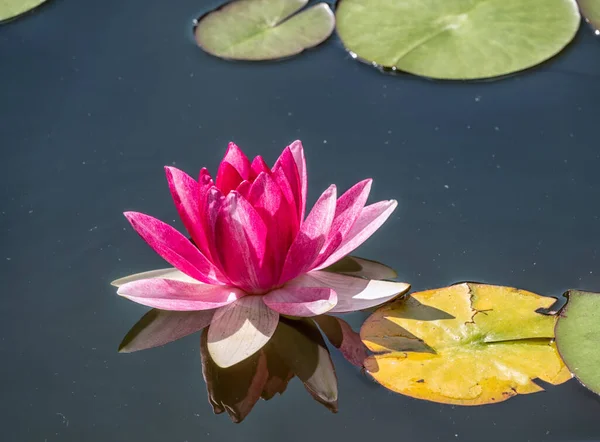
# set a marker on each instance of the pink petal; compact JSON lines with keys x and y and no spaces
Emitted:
{"x":212,"y":206}
{"x":175,"y":248}
{"x":301,"y":301}
{"x":244,"y":188}
{"x":205,"y":184}
{"x":240,"y":236}
{"x":341,"y":336}
{"x":228,"y":178}
{"x":238,"y":160}
{"x":258,"y":166}
{"x":168,"y":273}
{"x":353,"y":293}
{"x":348,"y":209}
{"x":265,"y":196}
{"x":159,"y":327}
{"x":168,"y":294}
{"x":311,"y":236}
{"x":370,"y":219}
{"x":287,"y":172}
{"x":298,"y":154}
{"x":240,"y":329}
{"x":186,"y":195}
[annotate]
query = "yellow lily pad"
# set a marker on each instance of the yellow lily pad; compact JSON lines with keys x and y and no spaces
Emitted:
{"x":467,"y":344}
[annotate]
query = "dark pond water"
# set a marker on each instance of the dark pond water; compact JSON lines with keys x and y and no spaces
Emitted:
{"x":497,"y":182}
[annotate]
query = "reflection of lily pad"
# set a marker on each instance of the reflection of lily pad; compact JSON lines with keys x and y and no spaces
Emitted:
{"x":263,"y":29}
{"x":591,"y":11}
{"x":457,"y":39}
{"x":578,"y":337}
{"x":12,"y":8}
{"x":468,"y":344}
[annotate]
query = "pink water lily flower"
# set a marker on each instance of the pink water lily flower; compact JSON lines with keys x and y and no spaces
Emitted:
{"x":253,"y":254}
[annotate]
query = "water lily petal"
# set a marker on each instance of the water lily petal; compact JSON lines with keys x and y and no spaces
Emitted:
{"x":258,"y":165}
{"x":168,"y":273}
{"x":353,"y":293}
{"x":301,"y":301}
{"x":298,"y":154}
{"x":212,"y":206}
{"x":286,"y":165}
{"x":266,"y":197}
{"x":159,"y":327}
{"x":186,"y":195}
{"x":311,"y":236}
{"x":240,"y":235}
{"x":238,"y":160}
{"x":175,"y":248}
{"x":228,"y":178}
{"x":348,"y":208}
{"x":168,"y":294}
{"x":364,"y":268}
{"x":244,"y":188}
{"x":370,"y":219}
{"x":240,"y":329}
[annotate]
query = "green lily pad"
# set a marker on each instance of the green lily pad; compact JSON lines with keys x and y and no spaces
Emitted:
{"x":12,"y":8}
{"x":263,"y":29}
{"x":591,"y":12}
{"x":456,"y":39}
{"x":578,"y":337}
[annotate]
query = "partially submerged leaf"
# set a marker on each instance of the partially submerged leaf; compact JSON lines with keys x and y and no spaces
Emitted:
{"x":263,"y":29}
{"x":578,"y":337}
{"x":467,"y":344}
{"x":591,"y":11}
{"x":364,"y":268}
{"x":457,"y":39}
{"x":159,"y":327}
{"x":13,"y":8}
{"x":341,"y":336}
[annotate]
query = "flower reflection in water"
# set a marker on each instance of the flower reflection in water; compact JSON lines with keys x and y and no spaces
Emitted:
{"x":297,"y":348}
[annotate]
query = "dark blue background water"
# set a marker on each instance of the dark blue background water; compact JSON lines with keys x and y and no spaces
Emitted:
{"x":497,"y":182}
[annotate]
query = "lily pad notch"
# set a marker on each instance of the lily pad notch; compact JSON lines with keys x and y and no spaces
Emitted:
{"x":255,"y":30}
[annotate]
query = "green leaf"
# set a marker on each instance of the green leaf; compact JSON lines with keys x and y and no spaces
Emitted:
{"x":12,"y":8}
{"x":591,"y":11}
{"x":457,"y":39}
{"x":263,"y":29}
{"x":578,"y":337}
{"x":467,"y":344}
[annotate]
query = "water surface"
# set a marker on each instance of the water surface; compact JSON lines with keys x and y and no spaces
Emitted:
{"x":497,"y":182}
